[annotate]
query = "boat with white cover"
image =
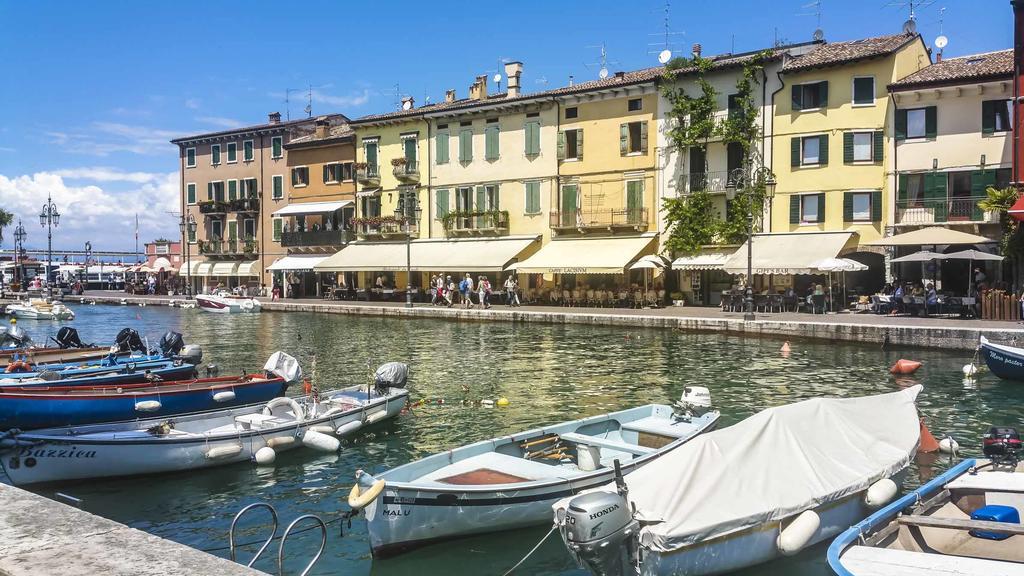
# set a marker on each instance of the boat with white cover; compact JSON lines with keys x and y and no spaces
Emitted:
{"x":256,"y":432}
{"x":223,"y":302}
{"x":512,"y":481}
{"x":40,"y":309}
{"x":964,"y":521}
{"x":779,"y":481}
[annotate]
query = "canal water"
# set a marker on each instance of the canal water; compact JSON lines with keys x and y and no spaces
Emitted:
{"x":549,"y":373}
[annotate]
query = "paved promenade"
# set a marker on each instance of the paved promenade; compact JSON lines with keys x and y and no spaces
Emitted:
{"x":932,"y":332}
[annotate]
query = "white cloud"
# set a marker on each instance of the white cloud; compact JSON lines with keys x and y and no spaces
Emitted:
{"x":220,"y":121}
{"x":7,"y":149}
{"x":105,"y":174}
{"x":192,"y":103}
{"x":106,"y":138}
{"x":353,"y":100}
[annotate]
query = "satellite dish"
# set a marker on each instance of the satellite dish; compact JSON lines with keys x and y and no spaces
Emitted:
{"x":603,"y":73}
{"x":909,"y":27}
{"x":665,"y":56}
{"x":941,"y":42}
{"x":407,"y":105}
{"x":497,"y":78}
{"x":818,"y":35}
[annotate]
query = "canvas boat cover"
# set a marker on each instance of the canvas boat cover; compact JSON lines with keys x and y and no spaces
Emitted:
{"x":773,"y":465}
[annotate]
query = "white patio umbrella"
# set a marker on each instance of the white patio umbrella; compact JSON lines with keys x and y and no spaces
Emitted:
{"x":972,"y":255}
{"x":650,"y":262}
{"x":843,"y":265}
{"x":922,"y":256}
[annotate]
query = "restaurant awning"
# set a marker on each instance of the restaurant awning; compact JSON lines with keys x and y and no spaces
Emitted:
{"x":930,"y":236}
{"x":429,"y":255}
{"x":311,"y":208}
{"x":161,"y":263}
{"x":201,"y":268}
{"x":304,"y":262}
{"x":709,"y":259}
{"x":248,"y":269}
{"x":795,"y":253}
{"x":586,"y":256}
{"x":224,"y":269}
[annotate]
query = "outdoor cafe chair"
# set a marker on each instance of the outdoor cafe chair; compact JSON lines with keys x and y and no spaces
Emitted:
{"x":652,"y":298}
{"x":775,"y":302}
{"x":817,"y":303}
{"x":590,"y":297}
{"x":761,"y":302}
{"x":567,"y":298}
{"x":790,"y":303}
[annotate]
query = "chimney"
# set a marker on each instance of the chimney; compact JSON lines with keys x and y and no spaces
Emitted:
{"x":323,"y":127}
{"x":696,"y":50}
{"x":449,"y":96}
{"x":620,"y":75}
{"x":478,"y":91}
{"x":274,"y":118}
{"x":938,"y":57}
{"x":514,"y":72}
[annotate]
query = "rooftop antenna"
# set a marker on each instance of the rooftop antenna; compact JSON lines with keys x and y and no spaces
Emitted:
{"x":941,"y":41}
{"x":668,"y":39}
{"x":497,"y":74}
{"x":543,"y":81}
{"x":602,"y":73}
{"x":309,"y":101}
{"x":287,"y":102}
{"x":397,"y":93}
{"x":815,"y":8}
{"x":912,"y":6}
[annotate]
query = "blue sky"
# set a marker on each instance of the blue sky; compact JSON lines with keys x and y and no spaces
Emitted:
{"x":94,"y":90}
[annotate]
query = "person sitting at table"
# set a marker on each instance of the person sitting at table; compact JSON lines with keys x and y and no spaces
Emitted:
{"x":931,"y":298}
{"x":918,"y":291}
{"x":887,"y":289}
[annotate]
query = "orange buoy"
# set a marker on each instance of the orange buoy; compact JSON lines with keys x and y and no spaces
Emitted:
{"x":785,"y":348}
{"x":903,"y":366}
{"x":307,"y":386}
{"x":928,"y":442}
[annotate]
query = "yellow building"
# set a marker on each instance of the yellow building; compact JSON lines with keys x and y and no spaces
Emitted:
{"x":833,"y":141}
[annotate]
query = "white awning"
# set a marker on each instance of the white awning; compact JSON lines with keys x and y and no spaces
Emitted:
{"x":297,"y":262}
{"x":161,"y":263}
{"x":710,"y":259}
{"x":587,"y":256}
{"x":429,"y":255}
{"x":311,"y":208}
{"x":201,"y":268}
{"x":795,"y":253}
{"x":931,"y":236}
{"x":249,"y":269}
{"x":224,"y":269}
{"x":366,"y":193}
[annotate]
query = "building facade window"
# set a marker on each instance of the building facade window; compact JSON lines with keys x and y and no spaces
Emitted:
{"x":860,"y":207}
{"x":635,"y":105}
{"x":248,"y":228}
{"x":466,"y":145}
{"x":407,"y":202}
{"x":442,"y":146}
{"x":410,"y":151}
{"x":249,"y":188}
{"x":532,"y":133}
{"x":215,"y":191}
{"x":572,"y":112}
{"x":863,"y":146}
{"x":337,"y":172}
{"x":864,"y":91}
{"x":216,"y":229}
{"x":464,"y":199}
{"x":491,"y":134}
{"x":810,"y":96}
{"x":570,"y":145}
{"x":634,"y":199}
{"x":232,"y":152}
{"x":215,"y":154}
{"x":914,"y":123}
{"x":190,"y":193}
{"x":996,"y":116}
{"x":810,"y":150}
{"x":370,"y":206}
{"x":277,"y":147}
{"x":232,"y":190}
{"x":300,"y":176}
{"x":441,"y":203}
{"x":277,"y":186}
{"x":633,"y":138}
{"x":812,"y":208}
{"x":370,"y":154}
{"x":531,"y":202}
{"x":248,"y":153}
{"x":190,"y":157}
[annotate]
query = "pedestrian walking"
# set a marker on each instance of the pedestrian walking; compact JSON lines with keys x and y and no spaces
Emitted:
{"x":485,"y":291}
{"x":510,"y":286}
{"x":466,"y":288}
{"x":515,"y":293}
{"x":275,"y":292}
{"x":449,"y":291}
{"x":434,"y":294}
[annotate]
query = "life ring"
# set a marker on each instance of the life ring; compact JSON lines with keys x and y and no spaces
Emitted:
{"x":359,"y":500}
{"x":268,"y":410}
{"x":18,"y":366}
{"x":247,"y":305}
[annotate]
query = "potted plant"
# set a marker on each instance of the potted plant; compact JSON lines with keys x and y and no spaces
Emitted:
{"x":400,"y":161}
{"x":677,"y":299}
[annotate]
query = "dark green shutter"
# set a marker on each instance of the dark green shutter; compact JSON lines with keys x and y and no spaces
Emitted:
{"x":847,"y":147}
{"x":935,"y":194}
{"x":794,"y":209}
{"x":821,"y":207}
{"x":977,"y":192}
{"x":930,"y":122}
{"x":901,"y":189}
{"x":794,"y":145}
{"x":441,"y":208}
{"x":823,"y":93}
{"x":643,"y":138}
{"x":209,"y":190}
{"x":876,"y":206}
{"x":988,"y":116}
{"x":327,"y":173}
{"x":879,"y":146}
{"x":901,"y":125}
{"x":847,"y":206}
{"x":823,"y":150}
{"x":491,"y":143}
{"x":798,"y":97}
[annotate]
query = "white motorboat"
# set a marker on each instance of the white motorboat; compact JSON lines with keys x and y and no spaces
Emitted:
{"x":512,"y":481}
{"x":40,"y":309}
{"x":778,"y":482}
{"x":256,"y":432}
{"x":964,"y":521}
{"x":225,"y":303}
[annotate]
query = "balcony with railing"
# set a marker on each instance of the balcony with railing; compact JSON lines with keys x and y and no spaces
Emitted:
{"x":602,"y":219}
{"x":702,"y":182}
{"x":212,"y":207}
{"x":495,"y":221}
{"x":368,"y":175}
{"x":312,"y":238}
{"x":383,"y":227}
{"x":231,"y":248}
{"x":940,"y":211}
{"x":244,"y":205}
{"x":407,"y":172}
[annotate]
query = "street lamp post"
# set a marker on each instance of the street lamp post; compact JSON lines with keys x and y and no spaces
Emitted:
{"x":188,"y":225}
{"x":49,"y":218}
{"x":749,"y":184}
{"x":406,"y":215}
{"x":19,"y":247}
{"x":88,"y":256}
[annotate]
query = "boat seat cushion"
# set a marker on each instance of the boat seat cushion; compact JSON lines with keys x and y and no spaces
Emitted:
{"x":256,"y":420}
{"x":616,"y":445}
{"x":867,"y":560}
{"x":994,"y":481}
{"x":660,"y":427}
{"x":526,"y":470}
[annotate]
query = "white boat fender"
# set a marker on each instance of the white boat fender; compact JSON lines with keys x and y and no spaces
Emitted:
{"x":224,"y":451}
{"x":970,"y":370}
{"x":359,"y":498}
{"x":224,"y":396}
{"x":948,"y":445}
{"x":322,"y":428}
{"x":265,"y":456}
{"x":880,"y":493}
{"x":268,"y":410}
{"x":349,"y":427}
{"x":321,"y":442}
{"x":487,"y":403}
{"x":281,"y":442}
{"x":798,"y":534}
{"x":376,"y":416}
{"x":148,"y":406}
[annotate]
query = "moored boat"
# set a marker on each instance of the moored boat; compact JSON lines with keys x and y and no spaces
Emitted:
{"x":1006,"y":362}
{"x":512,"y":481}
{"x":225,"y":303}
{"x":200,"y":440}
{"x":772,"y":485}
{"x":40,"y":309}
{"x":964,"y":521}
{"x":116,"y":374}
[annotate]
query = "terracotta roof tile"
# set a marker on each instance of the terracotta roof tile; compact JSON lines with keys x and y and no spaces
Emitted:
{"x":335,"y":133}
{"x":961,"y":69}
{"x":255,"y":128}
{"x":834,"y":53}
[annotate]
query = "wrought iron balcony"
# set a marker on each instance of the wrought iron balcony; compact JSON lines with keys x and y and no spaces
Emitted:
{"x":607,"y":219}
{"x":702,"y":182}
{"x":309,"y":238}
{"x":213,"y":207}
{"x":385,"y":229}
{"x":468,"y":223}
{"x":245,"y":205}
{"x":408,"y":172}
{"x":937,"y":211}
{"x":368,"y":175}
{"x":229,"y":248}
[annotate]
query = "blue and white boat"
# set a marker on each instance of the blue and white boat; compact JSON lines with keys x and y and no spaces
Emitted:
{"x":81,"y":369}
{"x":114,"y":375}
{"x":1006,"y":362}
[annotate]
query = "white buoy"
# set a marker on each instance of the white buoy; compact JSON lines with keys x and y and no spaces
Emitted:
{"x":799,"y":533}
{"x":376,"y":416}
{"x":948,"y":445}
{"x":281,"y":442}
{"x":224,"y":396}
{"x":880,"y":493}
{"x":322,"y":428}
{"x":223,"y":451}
{"x":265,"y":455}
{"x":148,"y":406}
{"x":970,"y":369}
{"x":349,"y":427}
{"x":322,"y":442}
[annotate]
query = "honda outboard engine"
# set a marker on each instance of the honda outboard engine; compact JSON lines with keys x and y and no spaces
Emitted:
{"x":1002,"y":445}
{"x":600,"y":532}
{"x":67,"y":337}
{"x":128,"y":340}
{"x":191,"y":353}
{"x":14,"y":337}
{"x":390,"y":375}
{"x":171,"y":343}
{"x":695,"y":402}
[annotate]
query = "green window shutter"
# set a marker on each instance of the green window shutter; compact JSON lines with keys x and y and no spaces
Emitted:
{"x":876,"y":206}
{"x":821,"y":207}
{"x":634,"y":197}
{"x":232,"y":189}
{"x":561,"y":145}
{"x":823,"y":91}
{"x":901,"y":125}
{"x":988,"y":116}
{"x":623,"y":139}
{"x":935,"y":194}
{"x":466,"y":146}
{"x":569,"y":199}
{"x":977,"y":192}
{"x":847,"y":147}
{"x":442,"y":203}
{"x":491,"y":142}
{"x":247,"y":150}
{"x":794,"y":146}
{"x":327,"y":173}
{"x":643,"y":138}
{"x":275,"y":147}
{"x":209,"y":190}
{"x":532,"y":192}
{"x":532,"y":130}
{"x":278,"y":186}
{"x":232,"y":229}
{"x":798,"y":93}
{"x":794,"y":209}
{"x":277,"y":229}
{"x":443,"y":147}
{"x":901,"y":189}
{"x":847,"y":206}
{"x":579,"y":143}
{"x":823,"y":150}
{"x":371,"y":156}
{"x":878,"y":151}
{"x":930,"y":122}
{"x":190,"y":192}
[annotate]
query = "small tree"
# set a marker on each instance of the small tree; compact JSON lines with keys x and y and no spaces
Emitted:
{"x":1011,"y":241}
{"x":6,"y":218}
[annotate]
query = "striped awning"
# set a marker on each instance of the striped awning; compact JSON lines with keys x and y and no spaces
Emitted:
{"x":711,"y":259}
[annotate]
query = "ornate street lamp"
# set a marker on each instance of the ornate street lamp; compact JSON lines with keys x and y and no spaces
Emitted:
{"x":88,"y":256}
{"x":19,"y":249}
{"x":188,"y":225}
{"x":406,"y":214}
{"x":49,"y":218}
{"x":756,"y":185}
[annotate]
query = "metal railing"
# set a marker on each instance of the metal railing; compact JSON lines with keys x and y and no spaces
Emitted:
{"x":213,"y":207}
{"x":932,"y":211}
{"x":408,"y":172}
{"x":251,"y":204}
{"x":488,"y":221}
{"x":607,"y":218}
{"x":228,"y":247}
{"x":386,"y":229}
{"x":368,"y":174}
{"x":315,"y":238}
{"x":703,"y":181}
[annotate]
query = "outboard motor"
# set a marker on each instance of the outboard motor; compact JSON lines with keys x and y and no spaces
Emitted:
{"x":191,"y":354}
{"x":171,"y":344}
{"x":128,"y":340}
{"x":695,"y":402}
{"x":600,"y":531}
{"x":390,"y":375}
{"x":1002,"y":445}
{"x":67,"y":337}
{"x":14,"y":337}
